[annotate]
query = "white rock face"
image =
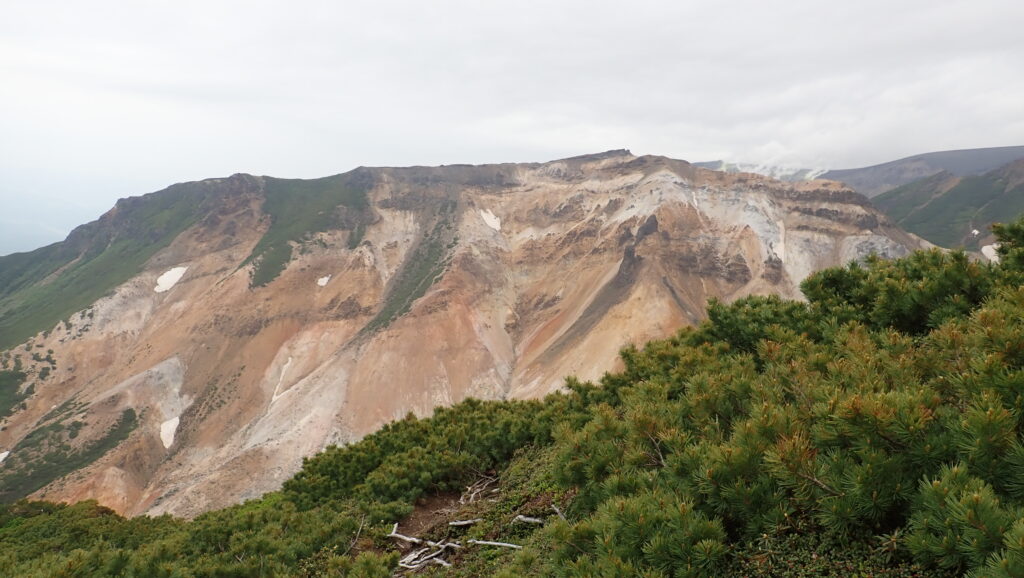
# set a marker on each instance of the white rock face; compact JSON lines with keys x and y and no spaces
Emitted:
{"x":280,"y":380}
{"x":323,"y":281}
{"x":491,"y":219}
{"x":167,"y":431}
{"x":989,"y":251}
{"x":3,"y":456}
{"x":169,"y":279}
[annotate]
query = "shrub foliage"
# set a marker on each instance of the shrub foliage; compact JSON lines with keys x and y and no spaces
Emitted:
{"x":874,"y":429}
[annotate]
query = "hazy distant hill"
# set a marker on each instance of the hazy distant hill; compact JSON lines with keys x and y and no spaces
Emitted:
{"x":875,"y":180}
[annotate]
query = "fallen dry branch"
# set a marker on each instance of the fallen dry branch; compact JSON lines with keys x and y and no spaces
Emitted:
{"x":474,"y":491}
{"x":432,"y":551}
{"x":559,"y":512}
{"x":418,"y":559}
{"x":443,"y":545}
{"x":429,"y":554}
{"x":465,"y":522}
{"x":502,"y":544}
{"x":411,"y":557}
{"x":394,"y":534}
{"x":527,"y":519}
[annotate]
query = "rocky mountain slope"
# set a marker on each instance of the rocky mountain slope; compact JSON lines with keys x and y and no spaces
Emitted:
{"x":189,"y":348}
{"x":954,"y":211}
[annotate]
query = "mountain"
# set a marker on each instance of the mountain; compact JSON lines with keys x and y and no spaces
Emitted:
{"x":957,"y":211}
{"x":872,"y":427}
{"x":788,"y":174}
{"x":189,"y":348}
{"x":877,"y":179}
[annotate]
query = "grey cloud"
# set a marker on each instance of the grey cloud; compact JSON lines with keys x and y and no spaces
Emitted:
{"x":112,"y":98}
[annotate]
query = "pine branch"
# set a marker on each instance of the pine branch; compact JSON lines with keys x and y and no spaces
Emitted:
{"x":657,"y":448}
{"x":820,"y":484}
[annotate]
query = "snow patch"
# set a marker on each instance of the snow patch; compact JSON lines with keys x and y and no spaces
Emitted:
{"x":989,"y":251}
{"x":169,"y":279}
{"x":323,"y":281}
{"x":491,"y":219}
{"x":168,"y":429}
{"x":3,"y":456}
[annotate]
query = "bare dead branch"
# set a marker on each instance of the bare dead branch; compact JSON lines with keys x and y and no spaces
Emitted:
{"x":657,"y":448}
{"x":413,"y":557}
{"x":502,"y":544}
{"x":394,"y":534}
{"x":559,"y":512}
{"x":465,"y":522}
{"x":473,"y":491}
{"x":527,"y":519}
{"x":352,"y":544}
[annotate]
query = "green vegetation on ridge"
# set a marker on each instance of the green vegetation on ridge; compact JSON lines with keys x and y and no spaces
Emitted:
{"x":874,"y":430}
{"x":41,"y":287}
{"x":45,"y":455}
{"x":10,"y":394}
{"x":423,"y":267}
{"x":298,"y":209}
{"x":947,"y":218}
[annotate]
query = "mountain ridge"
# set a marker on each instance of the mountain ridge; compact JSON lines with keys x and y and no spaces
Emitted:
{"x":957,"y":211}
{"x":296,"y":314}
{"x":876,"y":179}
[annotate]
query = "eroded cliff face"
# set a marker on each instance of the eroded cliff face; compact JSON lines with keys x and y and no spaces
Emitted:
{"x":453,"y":282}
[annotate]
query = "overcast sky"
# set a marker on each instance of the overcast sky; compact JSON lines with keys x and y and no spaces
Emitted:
{"x":106,"y":99}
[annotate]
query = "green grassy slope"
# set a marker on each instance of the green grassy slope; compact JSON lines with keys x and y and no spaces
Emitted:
{"x":46,"y":454}
{"x":39,"y":288}
{"x":10,"y":396}
{"x":947,"y":218}
{"x":298,"y":209}
{"x":422,"y":268}
{"x":901,"y":202}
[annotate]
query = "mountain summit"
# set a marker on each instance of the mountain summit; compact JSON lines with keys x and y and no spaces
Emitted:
{"x":189,"y":348}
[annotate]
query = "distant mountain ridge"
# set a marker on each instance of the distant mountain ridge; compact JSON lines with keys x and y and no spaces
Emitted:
{"x":874,"y":180}
{"x":957,"y":211}
{"x":950,"y":198}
